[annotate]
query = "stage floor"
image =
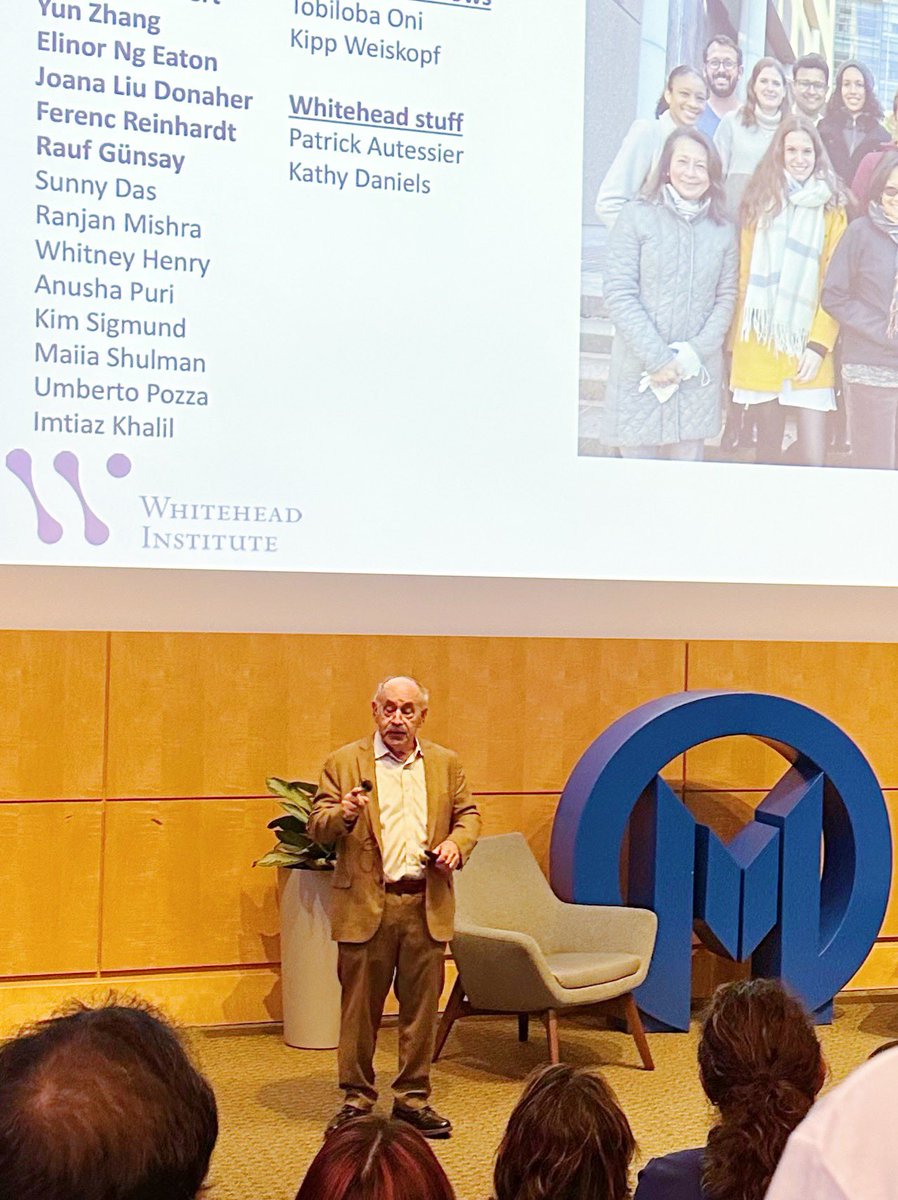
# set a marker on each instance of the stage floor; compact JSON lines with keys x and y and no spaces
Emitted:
{"x":274,"y":1101}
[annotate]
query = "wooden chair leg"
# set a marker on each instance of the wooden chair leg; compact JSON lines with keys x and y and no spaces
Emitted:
{"x":550,"y":1017}
{"x":454,"y":1009}
{"x":523,"y":1026}
{"x":634,"y":1024}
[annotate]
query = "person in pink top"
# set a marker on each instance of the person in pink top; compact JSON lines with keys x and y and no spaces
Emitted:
{"x":845,"y":1147}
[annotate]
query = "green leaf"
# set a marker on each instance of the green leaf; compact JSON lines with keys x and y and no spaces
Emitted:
{"x":290,"y":837}
{"x":293,"y":823}
{"x":295,"y":789}
{"x":277,"y":858}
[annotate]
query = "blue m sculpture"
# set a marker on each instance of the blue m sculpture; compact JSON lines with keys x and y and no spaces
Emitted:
{"x":800,"y":891}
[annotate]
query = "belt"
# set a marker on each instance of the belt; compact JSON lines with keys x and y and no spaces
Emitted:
{"x":406,"y":887}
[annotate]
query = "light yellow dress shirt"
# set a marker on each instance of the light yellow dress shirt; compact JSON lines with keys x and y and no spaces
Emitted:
{"x":402,"y":798}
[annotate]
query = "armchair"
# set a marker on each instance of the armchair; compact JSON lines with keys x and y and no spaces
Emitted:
{"x":520,"y":949}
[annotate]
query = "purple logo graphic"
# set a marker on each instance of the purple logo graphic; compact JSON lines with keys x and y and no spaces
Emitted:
{"x":66,"y":465}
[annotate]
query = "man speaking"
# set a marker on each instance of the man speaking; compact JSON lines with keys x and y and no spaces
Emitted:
{"x":403,"y":820}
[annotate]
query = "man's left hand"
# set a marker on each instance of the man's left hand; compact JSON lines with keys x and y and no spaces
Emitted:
{"x":448,"y":856}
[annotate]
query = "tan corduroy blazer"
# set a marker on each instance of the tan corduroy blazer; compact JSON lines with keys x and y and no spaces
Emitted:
{"x":358,"y":877}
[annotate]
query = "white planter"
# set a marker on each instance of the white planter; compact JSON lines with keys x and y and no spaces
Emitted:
{"x":311,"y":990}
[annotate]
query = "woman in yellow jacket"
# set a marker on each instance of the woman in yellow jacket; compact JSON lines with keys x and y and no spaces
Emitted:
{"x":793,"y":214}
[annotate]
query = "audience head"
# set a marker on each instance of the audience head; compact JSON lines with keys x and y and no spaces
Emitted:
{"x":684,"y":95}
{"x":810,"y":80}
{"x":723,"y":65}
{"x":761,"y":1066}
{"x":103,"y":1104}
{"x":854,"y":92}
{"x":374,"y":1158}
{"x":767,"y":91}
{"x":567,"y":1139}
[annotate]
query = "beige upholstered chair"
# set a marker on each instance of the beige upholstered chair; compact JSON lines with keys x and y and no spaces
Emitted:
{"x":519,"y":949}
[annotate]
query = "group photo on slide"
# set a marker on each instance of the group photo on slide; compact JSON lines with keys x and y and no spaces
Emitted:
{"x":739,"y":294}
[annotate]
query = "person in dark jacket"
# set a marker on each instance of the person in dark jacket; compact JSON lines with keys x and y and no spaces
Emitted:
{"x":670,"y":287}
{"x":861,"y":292}
{"x":761,"y":1067}
{"x":860,"y":185}
{"x":852,"y":126}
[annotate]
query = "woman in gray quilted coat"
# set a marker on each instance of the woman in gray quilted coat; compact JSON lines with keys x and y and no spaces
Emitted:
{"x":670,"y":286}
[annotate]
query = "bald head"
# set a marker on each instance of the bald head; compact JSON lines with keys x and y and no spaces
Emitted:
{"x":423,"y":693}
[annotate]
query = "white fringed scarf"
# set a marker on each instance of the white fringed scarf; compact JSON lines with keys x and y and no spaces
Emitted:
{"x":783,"y":291}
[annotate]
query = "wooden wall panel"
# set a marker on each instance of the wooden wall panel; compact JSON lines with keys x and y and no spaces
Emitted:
{"x":53,"y":687}
{"x":241,"y":996}
{"x":213,"y":714}
{"x":50,"y":885}
{"x":880,"y":971}
{"x":890,"y":922}
{"x":854,"y":684}
{"x":180,"y":886}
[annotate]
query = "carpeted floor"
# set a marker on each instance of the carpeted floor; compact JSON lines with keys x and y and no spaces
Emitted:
{"x":274,"y":1101}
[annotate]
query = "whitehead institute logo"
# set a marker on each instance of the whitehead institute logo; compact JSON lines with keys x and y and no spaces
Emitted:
{"x":765,"y":896}
{"x":66,"y":465}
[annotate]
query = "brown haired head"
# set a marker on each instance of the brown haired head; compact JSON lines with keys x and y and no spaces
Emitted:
{"x":748,"y":114}
{"x":765,"y":193}
{"x":374,"y":1158}
{"x":566,"y":1139}
{"x":761,"y":1066}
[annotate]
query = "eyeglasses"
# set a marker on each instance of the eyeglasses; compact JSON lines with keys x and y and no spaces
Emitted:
{"x":891,"y":191}
{"x":721,"y":64}
{"x":807,"y":86}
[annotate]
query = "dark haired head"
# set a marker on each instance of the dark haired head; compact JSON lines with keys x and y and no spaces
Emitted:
{"x":880,"y":176}
{"x":683,"y":69}
{"x":655,"y":185}
{"x":811,"y":62}
{"x":761,"y":1066}
{"x":723,"y":39}
{"x":103,"y":1104}
{"x":566,"y":1139}
{"x":373,"y":1158}
{"x":872,"y":108}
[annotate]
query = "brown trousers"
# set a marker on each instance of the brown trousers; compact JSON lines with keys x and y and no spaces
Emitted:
{"x":401,"y":949}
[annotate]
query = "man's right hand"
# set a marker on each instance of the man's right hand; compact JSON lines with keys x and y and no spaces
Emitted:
{"x":353,"y":803}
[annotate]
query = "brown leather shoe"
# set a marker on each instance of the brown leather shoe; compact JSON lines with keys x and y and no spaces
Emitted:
{"x":427,"y":1122}
{"x":347,"y":1113}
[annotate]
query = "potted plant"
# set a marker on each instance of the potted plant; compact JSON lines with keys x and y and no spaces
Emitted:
{"x":311,"y":990}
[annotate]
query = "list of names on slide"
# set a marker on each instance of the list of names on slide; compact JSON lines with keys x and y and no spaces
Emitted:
{"x":120,"y":113}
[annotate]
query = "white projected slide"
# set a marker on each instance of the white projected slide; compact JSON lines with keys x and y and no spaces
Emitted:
{"x":296,"y":286}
